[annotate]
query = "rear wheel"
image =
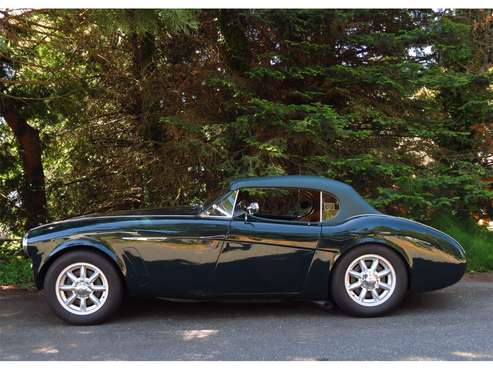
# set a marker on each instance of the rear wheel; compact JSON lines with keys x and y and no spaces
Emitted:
{"x":83,"y":288}
{"x":369,"y":281}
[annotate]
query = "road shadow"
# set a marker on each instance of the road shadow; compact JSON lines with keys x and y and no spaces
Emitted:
{"x":148,"y":309}
{"x":135,"y":309}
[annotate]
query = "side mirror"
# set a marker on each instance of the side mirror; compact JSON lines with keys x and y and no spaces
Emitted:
{"x":197,"y":205}
{"x":251,"y":210}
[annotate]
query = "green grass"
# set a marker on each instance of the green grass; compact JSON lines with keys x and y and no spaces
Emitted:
{"x":15,"y":268}
{"x":476,"y":240}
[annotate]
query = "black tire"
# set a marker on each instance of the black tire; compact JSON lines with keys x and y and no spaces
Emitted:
{"x":113,"y":298}
{"x":341,"y":296}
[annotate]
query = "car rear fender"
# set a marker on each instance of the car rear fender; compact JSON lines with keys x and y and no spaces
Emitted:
{"x":401,"y":252}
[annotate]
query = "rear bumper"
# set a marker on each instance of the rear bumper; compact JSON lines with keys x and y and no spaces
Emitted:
{"x":427,"y":275}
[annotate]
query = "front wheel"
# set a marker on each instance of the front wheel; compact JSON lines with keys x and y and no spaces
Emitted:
{"x":83,"y":288}
{"x":369,"y":281}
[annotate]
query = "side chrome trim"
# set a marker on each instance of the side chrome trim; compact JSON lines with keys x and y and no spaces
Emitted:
{"x":160,"y":238}
{"x":143,"y":238}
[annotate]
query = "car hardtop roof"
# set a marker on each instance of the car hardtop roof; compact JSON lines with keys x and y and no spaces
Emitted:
{"x":290,"y":181}
{"x":351,"y":203}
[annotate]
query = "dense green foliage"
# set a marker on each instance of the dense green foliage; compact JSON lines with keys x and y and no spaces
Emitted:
{"x":15,"y":269}
{"x":149,"y":108}
{"x":475,"y":239}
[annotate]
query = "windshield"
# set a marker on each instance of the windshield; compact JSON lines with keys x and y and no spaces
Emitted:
{"x":222,"y":207}
{"x":215,"y":197}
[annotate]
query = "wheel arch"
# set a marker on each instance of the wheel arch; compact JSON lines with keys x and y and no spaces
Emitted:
{"x":81,"y":245}
{"x":405,"y":258}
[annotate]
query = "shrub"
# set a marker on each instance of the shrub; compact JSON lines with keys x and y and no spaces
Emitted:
{"x":476,"y":240}
{"x":15,"y":268}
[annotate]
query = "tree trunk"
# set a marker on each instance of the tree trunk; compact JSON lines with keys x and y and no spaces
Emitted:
{"x":481,"y":21}
{"x":143,"y":50}
{"x":236,"y":51}
{"x":33,"y":191}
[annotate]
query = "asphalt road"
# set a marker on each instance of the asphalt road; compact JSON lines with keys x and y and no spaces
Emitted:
{"x":452,"y":324}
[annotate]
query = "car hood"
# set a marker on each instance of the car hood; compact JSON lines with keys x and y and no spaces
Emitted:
{"x":170,"y":211}
{"x":90,"y":220}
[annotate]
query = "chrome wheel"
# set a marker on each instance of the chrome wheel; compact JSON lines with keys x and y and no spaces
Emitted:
{"x":82,"y":288}
{"x":370,"y":280}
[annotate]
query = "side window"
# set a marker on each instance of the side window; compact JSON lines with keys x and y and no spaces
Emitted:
{"x":330,"y":206}
{"x":281,"y":203}
{"x":222,"y":208}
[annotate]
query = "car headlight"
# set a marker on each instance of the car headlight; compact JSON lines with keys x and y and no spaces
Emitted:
{"x":24,"y":244}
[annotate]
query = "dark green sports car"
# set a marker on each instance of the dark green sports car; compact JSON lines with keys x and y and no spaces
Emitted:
{"x":286,"y":237}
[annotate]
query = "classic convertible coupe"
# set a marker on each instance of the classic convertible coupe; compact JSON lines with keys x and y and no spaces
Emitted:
{"x":286,"y":237}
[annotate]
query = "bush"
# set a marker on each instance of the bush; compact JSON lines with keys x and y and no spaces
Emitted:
{"x":476,"y":240}
{"x":15,"y":268}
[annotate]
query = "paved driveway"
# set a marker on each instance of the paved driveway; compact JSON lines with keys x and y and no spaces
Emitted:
{"x":455,"y":323}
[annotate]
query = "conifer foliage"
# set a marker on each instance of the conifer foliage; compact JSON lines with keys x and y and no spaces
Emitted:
{"x":111,"y":109}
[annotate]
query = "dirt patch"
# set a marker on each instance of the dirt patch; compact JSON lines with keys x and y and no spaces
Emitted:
{"x":486,"y":277}
{"x":13,"y":289}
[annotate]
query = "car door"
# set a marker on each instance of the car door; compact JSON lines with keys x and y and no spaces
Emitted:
{"x":181,"y":253}
{"x":267,"y":253}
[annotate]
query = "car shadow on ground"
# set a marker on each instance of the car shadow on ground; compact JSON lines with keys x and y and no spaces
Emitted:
{"x":134,"y":309}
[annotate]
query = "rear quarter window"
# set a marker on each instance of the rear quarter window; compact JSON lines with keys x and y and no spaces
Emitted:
{"x":330,"y":206}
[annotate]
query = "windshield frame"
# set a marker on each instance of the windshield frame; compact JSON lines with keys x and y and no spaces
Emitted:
{"x":218,"y":200}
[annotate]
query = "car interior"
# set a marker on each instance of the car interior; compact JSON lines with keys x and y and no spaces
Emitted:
{"x":301,"y":205}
